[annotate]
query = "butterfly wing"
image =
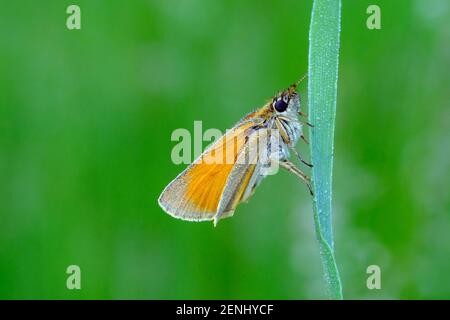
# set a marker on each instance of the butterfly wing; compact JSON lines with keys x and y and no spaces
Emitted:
{"x":214,"y":183}
{"x":245,"y":175}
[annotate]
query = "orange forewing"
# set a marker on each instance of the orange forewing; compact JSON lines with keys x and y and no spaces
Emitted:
{"x":196,"y":192}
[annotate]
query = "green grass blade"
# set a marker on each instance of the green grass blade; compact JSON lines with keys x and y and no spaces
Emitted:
{"x":322,"y":90}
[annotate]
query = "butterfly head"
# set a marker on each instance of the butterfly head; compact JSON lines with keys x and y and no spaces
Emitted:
{"x":286,"y":102}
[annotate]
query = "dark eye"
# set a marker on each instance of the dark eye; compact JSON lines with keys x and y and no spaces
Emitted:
{"x":281,"y":104}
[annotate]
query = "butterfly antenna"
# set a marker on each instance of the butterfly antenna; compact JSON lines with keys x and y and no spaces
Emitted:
{"x":301,"y":79}
{"x":295,"y":85}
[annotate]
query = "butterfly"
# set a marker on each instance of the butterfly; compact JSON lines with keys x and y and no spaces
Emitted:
{"x":228,"y":172}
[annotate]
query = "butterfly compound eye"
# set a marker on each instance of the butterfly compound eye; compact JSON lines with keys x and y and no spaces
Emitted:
{"x":281,"y":105}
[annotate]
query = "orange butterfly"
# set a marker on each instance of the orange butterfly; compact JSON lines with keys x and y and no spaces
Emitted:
{"x":228,"y":171}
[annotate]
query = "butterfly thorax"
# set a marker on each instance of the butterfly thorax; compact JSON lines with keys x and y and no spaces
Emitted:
{"x":286,"y":122}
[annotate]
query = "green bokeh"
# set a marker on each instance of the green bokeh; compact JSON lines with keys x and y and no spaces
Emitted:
{"x":86,"y":118}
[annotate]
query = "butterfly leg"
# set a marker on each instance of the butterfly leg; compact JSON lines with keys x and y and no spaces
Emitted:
{"x":304,"y":139}
{"x":302,"y":114}
{"x":307,"y":123}
{"x":300,"y":157}
{"x":292,"y":168}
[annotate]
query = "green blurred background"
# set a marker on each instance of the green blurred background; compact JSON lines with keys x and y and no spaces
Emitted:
{"x":86,"y":118}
